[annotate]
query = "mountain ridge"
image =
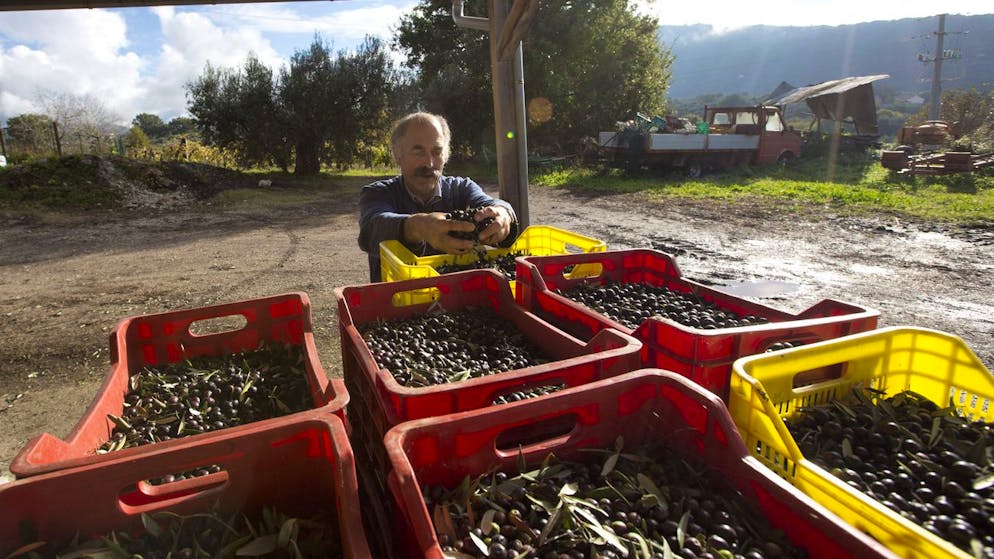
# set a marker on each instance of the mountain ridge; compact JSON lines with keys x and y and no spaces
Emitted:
{"x":753,"y":60}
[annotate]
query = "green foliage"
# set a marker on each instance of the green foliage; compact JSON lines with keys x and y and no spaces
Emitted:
{"x":321,"y":108}
{"x":67,"y":183}
{"x":182,"y":126}
{"x":972,"y":111}
{"x":30,"y":134}
{"x":854,"y":183}
{"x":595,"y":63}
{"x":586,"y":64}
{"x":451,"y":70}
{"x":136,"y":139}
{"x":151,"y":125}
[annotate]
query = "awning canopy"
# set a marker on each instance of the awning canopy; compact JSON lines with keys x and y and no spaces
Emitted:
{"x":838,"y":100}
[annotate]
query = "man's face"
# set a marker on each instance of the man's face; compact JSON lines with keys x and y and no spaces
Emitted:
{"x":421,"y":161}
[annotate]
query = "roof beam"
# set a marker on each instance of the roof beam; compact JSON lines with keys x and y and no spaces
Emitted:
{"x":19,"y":5}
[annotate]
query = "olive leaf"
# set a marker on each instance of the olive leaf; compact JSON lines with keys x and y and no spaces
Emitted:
{"x":258,"y":547}
{"x":479,"y":544}
{"x":649,"y":486}
{"x":590,"y":521}
{"x":554,"y":518}
{"x":487,"y":522}
{"x":681,"y":528}
{"x":288,"y":532}
{"x":151,"y":526}
{"x":25,"y":549}
{"x":609,"y":464}
{"x":119,"y":421}
{"x":643,"y":545}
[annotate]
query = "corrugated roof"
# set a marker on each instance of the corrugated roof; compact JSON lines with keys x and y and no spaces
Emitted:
{"x":823,"y":88}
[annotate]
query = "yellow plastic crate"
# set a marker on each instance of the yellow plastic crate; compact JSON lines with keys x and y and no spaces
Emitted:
{"x":936,"y":365}
{"x":398,"y":263}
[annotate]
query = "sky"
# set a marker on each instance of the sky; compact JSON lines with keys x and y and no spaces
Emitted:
{"x":137,"y":60}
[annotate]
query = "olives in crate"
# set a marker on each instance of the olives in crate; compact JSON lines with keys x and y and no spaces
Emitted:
{"x":208,"y":393}
{"x":926,"y":463}
{"x":211,"y":534}
{"x":646,"y":502}
{"x":450,"y":346}
{"x":630,"y":304}
{"x":503,"y":263}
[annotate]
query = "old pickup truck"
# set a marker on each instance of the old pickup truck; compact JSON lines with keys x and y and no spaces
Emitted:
{"x":725,"y":137}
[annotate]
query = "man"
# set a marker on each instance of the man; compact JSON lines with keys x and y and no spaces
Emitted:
{"x":411,"y":207}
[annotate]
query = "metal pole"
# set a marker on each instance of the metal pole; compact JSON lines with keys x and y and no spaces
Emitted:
{"x":520,"y":110}
{"x":937,"y":71}
{"x":511,"y":149}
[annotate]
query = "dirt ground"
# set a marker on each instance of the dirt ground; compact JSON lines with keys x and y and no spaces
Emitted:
{"x":66,"y":280}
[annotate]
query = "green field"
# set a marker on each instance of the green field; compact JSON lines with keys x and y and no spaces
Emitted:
{"x":857,"y":185}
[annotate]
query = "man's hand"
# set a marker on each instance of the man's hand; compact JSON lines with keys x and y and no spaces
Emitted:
{"x":499,"y":229}
{"x":434,"y":228}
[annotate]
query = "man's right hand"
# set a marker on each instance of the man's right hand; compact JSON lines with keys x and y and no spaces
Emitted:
{"x":434,"y":228}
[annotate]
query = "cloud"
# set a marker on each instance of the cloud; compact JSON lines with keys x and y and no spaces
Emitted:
{"x":190,"y":41}
{"x":341,"y":22}
{"x":138,"y":60}
{"x":44,"y":55}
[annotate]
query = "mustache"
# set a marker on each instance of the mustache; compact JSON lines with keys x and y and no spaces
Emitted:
{"x":427,"y":172}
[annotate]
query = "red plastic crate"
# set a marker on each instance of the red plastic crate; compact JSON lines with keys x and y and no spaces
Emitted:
{"x":642,"y":406}
{"x":380,"y":402}
{"x":705,"y":356}
{"x":299,"y":467}
{"x":160,"y":339}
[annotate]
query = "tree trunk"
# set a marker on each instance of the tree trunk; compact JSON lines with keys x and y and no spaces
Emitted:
{"x":307,"y":158}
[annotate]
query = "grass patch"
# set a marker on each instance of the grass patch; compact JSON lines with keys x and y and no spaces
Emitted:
{"x":66,"y":183}
{"x":856,"y":184}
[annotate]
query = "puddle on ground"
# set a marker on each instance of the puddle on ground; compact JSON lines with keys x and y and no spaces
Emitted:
{"x":759,"y":288}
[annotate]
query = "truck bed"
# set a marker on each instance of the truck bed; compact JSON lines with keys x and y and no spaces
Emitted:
{"x":687,"y":142}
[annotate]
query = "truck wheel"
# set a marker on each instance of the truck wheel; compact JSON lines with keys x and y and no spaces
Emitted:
{"x":786,"y":159}
{"x":694,"y":169}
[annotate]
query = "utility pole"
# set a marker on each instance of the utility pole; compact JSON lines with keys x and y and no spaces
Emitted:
{"x":936,"y":59}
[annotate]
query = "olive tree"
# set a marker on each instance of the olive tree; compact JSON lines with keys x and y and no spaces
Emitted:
{"x":586,"y":65}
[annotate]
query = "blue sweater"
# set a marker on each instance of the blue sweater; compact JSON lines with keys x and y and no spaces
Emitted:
{"x":384,"y":205}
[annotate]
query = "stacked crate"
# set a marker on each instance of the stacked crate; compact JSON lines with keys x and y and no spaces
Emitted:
{"x":398,"y":263}
{"x":299,"y":462}
{"x":378,"y":402}
{"x":641,"y":407}
{"x":703,"y":355}
{"x":767,"y":389}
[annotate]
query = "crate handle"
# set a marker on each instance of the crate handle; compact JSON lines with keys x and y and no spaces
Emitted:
{"x":217,"y":325}
{"x":540,"y":436}
{"x":144,"y":497}
{"x":552,"y":386}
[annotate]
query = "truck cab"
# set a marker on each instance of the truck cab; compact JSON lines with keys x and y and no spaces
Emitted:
{"x":776,"y":143}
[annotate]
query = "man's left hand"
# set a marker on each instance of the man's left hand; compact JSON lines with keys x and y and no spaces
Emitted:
{"x":499,"y":229}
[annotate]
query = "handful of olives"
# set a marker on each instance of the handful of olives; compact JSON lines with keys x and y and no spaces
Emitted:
{"x":469,"y":215}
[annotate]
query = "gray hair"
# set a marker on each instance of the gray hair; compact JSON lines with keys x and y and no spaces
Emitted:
{"x":400,"y":130}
